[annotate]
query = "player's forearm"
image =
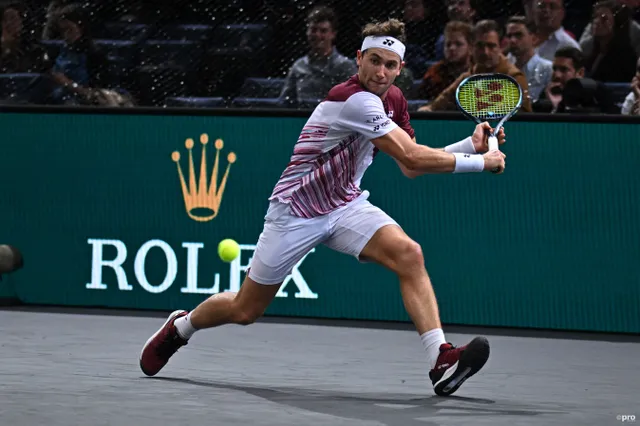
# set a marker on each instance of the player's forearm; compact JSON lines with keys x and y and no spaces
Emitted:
{"x":424,"y":160}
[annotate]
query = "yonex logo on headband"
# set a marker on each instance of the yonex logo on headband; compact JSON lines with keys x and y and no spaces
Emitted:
{"x":384,"y":42}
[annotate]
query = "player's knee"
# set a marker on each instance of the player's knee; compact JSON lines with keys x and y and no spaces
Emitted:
{"x":247,"y":315}
{"x":409,"y":254}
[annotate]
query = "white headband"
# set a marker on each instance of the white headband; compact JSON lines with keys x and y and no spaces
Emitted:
{"x":384,"y":42}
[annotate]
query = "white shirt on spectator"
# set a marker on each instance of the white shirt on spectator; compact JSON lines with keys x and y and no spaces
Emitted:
{"x":559,"y":38}
{"x":538,"y":72}
{"x":627,"y":105}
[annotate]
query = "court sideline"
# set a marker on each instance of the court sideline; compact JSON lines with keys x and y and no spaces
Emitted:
{"x":75,"y":368}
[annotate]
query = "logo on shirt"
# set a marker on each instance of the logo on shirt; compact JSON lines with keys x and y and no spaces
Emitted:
{"x":390,"y":114}
{"x":375,"y":119}
{"x":381,"y":126}
{"x":203,"y":195}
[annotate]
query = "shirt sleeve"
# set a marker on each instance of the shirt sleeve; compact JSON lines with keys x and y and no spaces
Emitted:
{"x":363,"y":113}
{"x":404,"y":120}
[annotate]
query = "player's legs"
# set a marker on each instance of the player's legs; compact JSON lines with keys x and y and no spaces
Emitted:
{"x":243,"y":307}
{"x":284,"y":240}
{"x":392,"y":248}
{"x":369,"y":234}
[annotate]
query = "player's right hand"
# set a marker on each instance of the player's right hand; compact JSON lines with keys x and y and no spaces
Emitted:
{"x":494,"y":161}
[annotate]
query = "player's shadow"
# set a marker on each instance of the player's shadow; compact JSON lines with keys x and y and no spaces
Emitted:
{"x":389,"y":409}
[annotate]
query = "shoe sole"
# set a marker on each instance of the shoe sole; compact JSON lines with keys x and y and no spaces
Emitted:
{"x":473,"y":358}
{"x":171,"y":317}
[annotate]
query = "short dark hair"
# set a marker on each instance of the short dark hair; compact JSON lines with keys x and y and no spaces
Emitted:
{"x":571,"y":53}
{"x":486,"y":26}
{"x":322,"y":14}
{"x":391,"y":28}
{"x":463,"y":28}
{"x":522,"y":20}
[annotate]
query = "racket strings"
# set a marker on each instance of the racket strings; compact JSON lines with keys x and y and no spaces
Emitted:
{"x":489,"y":97}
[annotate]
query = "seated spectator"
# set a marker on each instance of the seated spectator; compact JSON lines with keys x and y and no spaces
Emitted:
{"x":80,"y":68}
{"x":312,"y":76}
{"x":419,"y":24}
{"x":550,"y":34}
{"x":20,"y":53}
{"x":631,"y":104}
{"x":587,"y":38}
{"x":457,"y":60}
{"x":487,"y":58}
{"x":520,"y":39}
{"x":457,"y":10}
{"x":612,"y":58}
{"x":567,"y":81}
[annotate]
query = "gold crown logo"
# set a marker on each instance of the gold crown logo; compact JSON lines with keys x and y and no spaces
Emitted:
{"x":202,"y":200}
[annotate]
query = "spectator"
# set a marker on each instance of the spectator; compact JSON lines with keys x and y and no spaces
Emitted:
{"x":457,"y":59}
{"x":520,"y":39}
{"x":487,"y":58}
{"x":79,"y":70}
{"x":611,"y":58}
{"x":550,"y":34}
{"x":79,"y":66}
{"x":419,"y":24}
{"x":311,"y":77}
{"x":20,"y":53}
{"x":631,"y":104}
{"x":587,"y":38}
{"x":567,"y":64}
{"x":457,"y":10}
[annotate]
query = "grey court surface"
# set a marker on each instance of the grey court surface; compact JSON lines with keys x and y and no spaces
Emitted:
{"x":82,"y":369}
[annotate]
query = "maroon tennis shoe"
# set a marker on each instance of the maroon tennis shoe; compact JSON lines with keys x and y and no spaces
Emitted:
{"x":161,"y":346}
{"x":455,"y":365}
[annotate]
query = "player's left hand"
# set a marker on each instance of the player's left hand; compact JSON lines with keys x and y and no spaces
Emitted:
{"x":480,"y":137}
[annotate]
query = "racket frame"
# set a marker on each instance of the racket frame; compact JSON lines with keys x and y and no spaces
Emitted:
{"x":493,"y":140}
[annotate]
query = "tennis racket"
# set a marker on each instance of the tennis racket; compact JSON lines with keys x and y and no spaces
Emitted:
{"x":489,"y":97}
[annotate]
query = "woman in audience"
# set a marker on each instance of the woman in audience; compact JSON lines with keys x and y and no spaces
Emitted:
{"x":457,"y":59}
{"x":613,"y":57}
{"x":631,"y":104}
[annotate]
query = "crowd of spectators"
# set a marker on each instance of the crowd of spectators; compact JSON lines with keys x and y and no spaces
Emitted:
{"x":568,"y":56}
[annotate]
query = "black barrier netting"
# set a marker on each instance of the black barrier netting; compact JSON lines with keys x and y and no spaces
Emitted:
{"x":235,"y":53}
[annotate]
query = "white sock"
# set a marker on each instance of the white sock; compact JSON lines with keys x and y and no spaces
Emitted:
{"x":184,"y":327}
{"x":431,"y":340}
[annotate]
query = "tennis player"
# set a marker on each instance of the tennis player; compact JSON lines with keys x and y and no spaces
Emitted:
{"x":318,"y":200}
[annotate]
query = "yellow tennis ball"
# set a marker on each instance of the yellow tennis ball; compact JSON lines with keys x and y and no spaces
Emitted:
{"x":228,"y":250}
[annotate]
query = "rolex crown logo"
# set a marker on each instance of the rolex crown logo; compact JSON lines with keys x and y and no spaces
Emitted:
{"x":202,"y":198}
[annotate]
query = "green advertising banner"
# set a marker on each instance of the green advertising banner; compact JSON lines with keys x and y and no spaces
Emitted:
{"x":126,"y":211}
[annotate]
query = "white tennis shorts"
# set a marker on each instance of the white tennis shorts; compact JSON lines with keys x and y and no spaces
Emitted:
{"x":286,"y":238}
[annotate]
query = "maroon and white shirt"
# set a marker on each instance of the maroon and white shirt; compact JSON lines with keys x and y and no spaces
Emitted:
{"x":334,"y":148}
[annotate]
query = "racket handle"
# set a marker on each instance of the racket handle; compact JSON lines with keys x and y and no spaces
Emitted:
{"x":493,"y":143}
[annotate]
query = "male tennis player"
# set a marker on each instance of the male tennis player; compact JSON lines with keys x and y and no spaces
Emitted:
{"x":318,"y":200}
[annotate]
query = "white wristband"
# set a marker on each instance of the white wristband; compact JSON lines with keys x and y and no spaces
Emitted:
{"x":468,"y":163}
{"x":465,"y":146}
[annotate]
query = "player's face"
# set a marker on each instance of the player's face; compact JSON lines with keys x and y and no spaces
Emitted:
{"x":519,"y":38}
{"x":486,"y":51}
{"x":378,"y":69}
{"x":456,"y":48}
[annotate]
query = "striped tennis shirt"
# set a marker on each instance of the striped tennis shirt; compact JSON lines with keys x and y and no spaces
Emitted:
{"x":334,"y":148}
